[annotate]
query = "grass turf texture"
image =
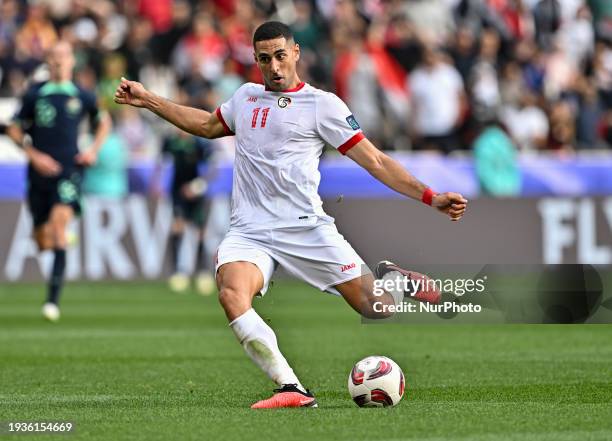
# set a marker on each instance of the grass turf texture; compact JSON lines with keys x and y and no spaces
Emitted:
{"x":132,"y":361}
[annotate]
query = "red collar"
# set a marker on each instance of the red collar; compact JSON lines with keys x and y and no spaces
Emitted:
{"x":295,"y":89}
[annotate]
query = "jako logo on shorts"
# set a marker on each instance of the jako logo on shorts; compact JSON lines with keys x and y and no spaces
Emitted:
{"x":347,"y":267}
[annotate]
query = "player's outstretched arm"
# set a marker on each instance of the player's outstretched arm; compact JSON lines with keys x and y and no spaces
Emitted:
{"x":195,"y":121}
{"x":391,"y":173}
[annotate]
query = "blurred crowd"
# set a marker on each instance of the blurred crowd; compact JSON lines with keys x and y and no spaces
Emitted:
{"x":418,"y":74}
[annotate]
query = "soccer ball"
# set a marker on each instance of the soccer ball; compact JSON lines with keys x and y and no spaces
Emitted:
{"x":376,"y":381}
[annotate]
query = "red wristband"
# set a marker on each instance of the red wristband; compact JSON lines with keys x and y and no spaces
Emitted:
{"x":428,"y":195}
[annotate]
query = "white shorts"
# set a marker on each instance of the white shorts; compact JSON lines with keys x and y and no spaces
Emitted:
{"x":319,"y":255}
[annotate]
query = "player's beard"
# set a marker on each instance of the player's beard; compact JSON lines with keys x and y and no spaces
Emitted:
{"x":277,"y":86}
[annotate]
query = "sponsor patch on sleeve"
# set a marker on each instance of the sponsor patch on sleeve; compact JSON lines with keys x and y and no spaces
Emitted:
{"x":352,"y":122}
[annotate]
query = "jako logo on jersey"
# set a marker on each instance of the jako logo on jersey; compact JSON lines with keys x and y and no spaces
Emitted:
{"x":284,"y":101}
{"x":352,"y":122}
{"x":347,"y":267}
{"x":252,"y":99}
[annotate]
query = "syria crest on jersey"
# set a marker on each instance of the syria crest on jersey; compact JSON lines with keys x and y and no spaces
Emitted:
{"x":284,"y":101}
{"x":352,"y":122}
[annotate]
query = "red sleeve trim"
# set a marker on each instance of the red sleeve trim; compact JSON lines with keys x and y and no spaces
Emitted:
{"x":228,"y":131}
{"x":351,"y":143}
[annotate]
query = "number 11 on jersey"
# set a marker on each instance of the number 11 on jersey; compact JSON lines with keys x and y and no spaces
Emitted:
{"x":264,"y":116}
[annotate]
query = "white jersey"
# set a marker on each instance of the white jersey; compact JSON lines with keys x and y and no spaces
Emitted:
{"x":279,"y":139}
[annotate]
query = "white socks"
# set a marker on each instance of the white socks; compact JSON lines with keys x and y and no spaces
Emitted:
{"x":259,"y":342}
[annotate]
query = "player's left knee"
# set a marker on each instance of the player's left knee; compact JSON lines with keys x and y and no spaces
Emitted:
{"x":229,"y":296}
{"x":43,"y":237}
{"x":60,"y":218}
{"x":44,"y":242}
{"x":58,"y":235}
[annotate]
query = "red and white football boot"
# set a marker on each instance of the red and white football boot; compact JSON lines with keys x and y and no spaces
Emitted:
{"x":287,"y":396}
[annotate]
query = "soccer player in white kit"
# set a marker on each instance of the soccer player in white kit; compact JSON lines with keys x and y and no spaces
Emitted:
{"x":277,"y":217}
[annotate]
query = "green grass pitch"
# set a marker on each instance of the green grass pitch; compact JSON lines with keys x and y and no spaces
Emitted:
{"x":132,"y":361}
